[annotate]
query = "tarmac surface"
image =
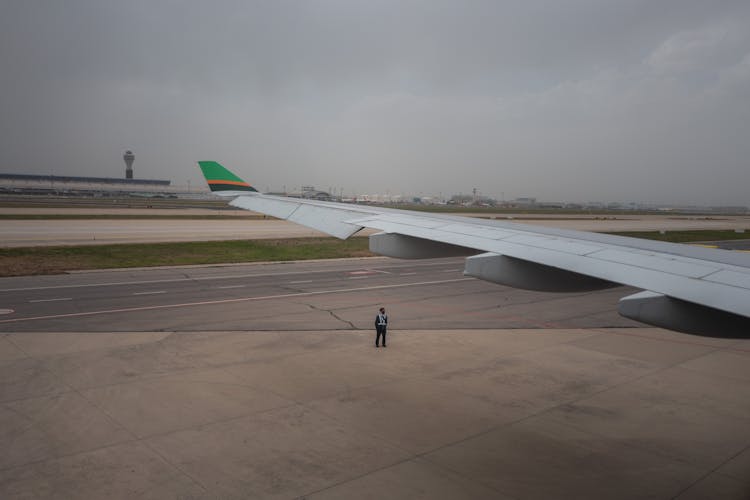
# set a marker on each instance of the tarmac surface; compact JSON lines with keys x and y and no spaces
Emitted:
{"x":328,"y":294}
{"x":262,"y":381}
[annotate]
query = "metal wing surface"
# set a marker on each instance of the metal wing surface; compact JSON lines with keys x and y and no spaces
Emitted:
{"x":690,"y":286}
{"x":691,"y":289}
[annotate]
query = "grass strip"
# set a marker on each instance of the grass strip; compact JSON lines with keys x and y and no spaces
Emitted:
{"x":687,"y":236}
{"x":54,"y":260}
{"x":24,"y":261}
{"x":129,"y":217}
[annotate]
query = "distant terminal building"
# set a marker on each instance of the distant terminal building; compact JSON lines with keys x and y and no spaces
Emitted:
{"x":307,"y":192}
{"x":56,"y":184}
{"x":66,"y":185}
{"x":525,"y":202}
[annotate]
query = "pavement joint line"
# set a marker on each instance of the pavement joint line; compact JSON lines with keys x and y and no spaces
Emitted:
{"x":649,"y":373}
{"x":589,"y":314}
{"x":134,"y":436}
{"x":573,"y":401}
{"x":42,"y":395}
{"x":536,"y":324}
{"x":174,"y":466}
{"x":588,"y":395}
{"x":412,"y":458}
{"x":98,"y":448}
{"x":73,"y":389}
{"x":740,"y":480}
{"x":293,"y":403}
{"x":717,"y":375}
{"x":422,"y":455}
{"x":46,"y":369}
{"x":194,"y":369}
{"x":499,"y":290}
{"x":155,"y":376}
{"x":227,"y":301}
{"x":218,"y":421}
{"x":677,"y":341}
{"x":615,"y":333}
{"x":424,"y":378}
{"x":9,"y":337}
{"x":411,"y":455}
{"x":63,"y":456}
{"x":92,"y":349}
{"x":469,"y":478}
{"x":289,"y":403}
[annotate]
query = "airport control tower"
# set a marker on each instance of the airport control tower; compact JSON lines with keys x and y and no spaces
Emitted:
{"x":129,"y":157}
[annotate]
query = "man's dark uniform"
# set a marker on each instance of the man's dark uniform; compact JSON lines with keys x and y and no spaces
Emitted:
{"x":381,"y":324}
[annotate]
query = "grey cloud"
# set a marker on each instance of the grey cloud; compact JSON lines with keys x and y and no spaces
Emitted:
{"x":588,"y":99}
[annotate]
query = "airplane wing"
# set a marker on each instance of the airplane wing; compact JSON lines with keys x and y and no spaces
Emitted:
{"x":689,"y":289}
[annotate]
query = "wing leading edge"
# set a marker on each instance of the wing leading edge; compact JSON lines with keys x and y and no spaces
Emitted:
{"x":694,"y":290}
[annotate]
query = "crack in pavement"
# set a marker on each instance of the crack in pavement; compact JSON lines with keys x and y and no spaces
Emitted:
{"x":333,"y":315}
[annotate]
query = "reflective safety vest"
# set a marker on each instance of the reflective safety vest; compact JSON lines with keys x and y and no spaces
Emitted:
{"x":382,"y":319}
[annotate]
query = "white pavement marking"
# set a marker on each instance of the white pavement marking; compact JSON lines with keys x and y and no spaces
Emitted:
{"x":201,"y":278}
{"x":301,"y":281}
{"x":50,"y":300}
{"x":6,"y":311}
{"x":407,"y":274}
{"x":229,"y":301}
{"x":230,"y":286}
{"x":358,"y":277}
{"x":149,"y":293}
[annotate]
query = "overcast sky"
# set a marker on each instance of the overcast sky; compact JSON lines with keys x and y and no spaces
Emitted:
{"x":575,"y":100}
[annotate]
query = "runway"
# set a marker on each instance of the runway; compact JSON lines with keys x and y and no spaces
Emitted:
{"x":261,"y":381}
{"x":106,"y":231}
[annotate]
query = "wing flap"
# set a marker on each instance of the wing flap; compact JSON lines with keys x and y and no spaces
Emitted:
{"x":329,"y":220}
{"x":482,"y":232}
{"x":274,"y":208}
{"x":552,"y":243}
{"x":731,"y":278}
{"x":666,"y":264}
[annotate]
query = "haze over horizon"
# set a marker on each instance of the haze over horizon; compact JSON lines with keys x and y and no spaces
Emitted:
{"x":582,"y":100}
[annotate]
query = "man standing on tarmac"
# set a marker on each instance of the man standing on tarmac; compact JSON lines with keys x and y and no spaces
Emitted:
{"x":381,"y":324}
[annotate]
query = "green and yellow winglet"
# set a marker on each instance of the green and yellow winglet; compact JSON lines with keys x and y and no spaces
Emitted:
{"x":221,"y":179}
